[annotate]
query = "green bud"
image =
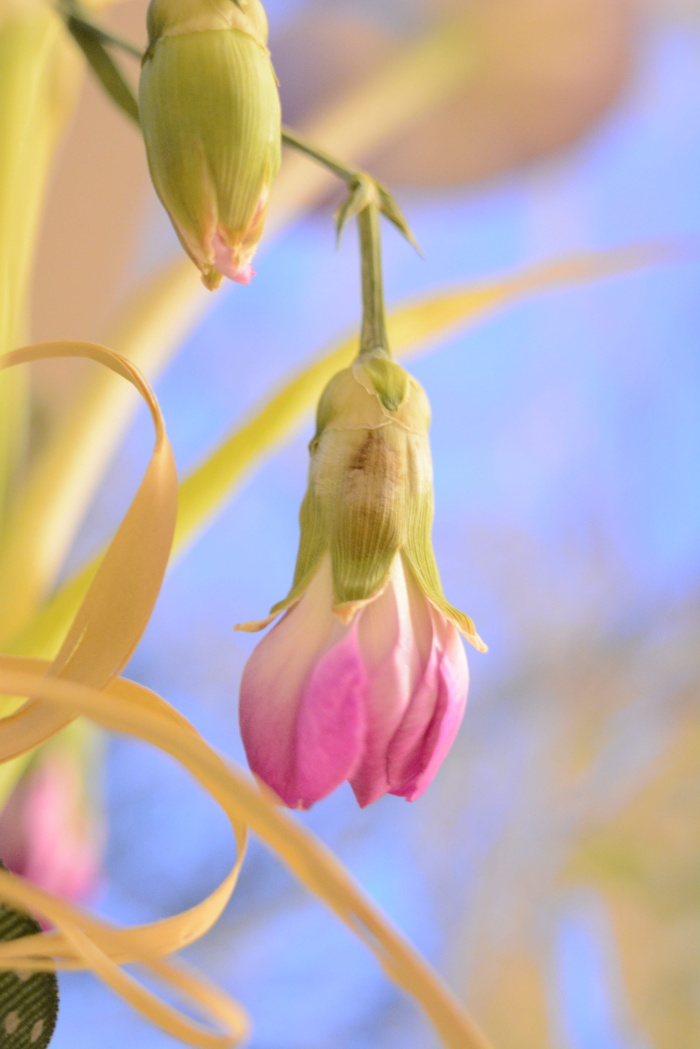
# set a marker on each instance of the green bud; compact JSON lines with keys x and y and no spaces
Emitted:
{"x":210,"y":116}
{"x":370,"y":492}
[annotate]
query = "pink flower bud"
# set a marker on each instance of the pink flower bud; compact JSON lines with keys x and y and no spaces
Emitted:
{"x":48,"y":832}
{"x":376,"y":701}
{"x":365,"y":677}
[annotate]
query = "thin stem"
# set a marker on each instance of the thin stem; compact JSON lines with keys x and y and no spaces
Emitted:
{"x":373,"y":336}
{"x":365,"y":201}
{"x":74,"y":14}
{"x":343,"y":171}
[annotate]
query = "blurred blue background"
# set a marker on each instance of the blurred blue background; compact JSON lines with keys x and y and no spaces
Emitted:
{"x":566,"y":441}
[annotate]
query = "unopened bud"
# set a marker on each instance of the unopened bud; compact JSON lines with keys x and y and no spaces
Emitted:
{"x":364,"y":678}
{"x":210,"y":116}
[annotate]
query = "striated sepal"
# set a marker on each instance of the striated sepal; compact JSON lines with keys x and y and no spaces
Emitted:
{"x":210,"y":116}
{"x":370,"y":493}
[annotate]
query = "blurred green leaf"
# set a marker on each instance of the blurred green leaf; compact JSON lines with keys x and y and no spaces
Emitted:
{"x":93,"y":43}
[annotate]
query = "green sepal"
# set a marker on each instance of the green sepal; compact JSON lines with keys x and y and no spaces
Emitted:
{"x":369,"y":458}
{"x":418,"y":555}
{"x":367,"y":512}
{"x":186,"y":87}
{"x":210,"y":115}
{"x":363,"y":191}
{"x":353,"y":508}
{"x":389,"y":208}
{"x":389,"y":380}
{"x":184,"y":17}
{"x":327,"y":408}
{"x":313,"y":543}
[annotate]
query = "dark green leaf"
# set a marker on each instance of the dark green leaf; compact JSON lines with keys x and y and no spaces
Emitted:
{"x":104,"y":67}
{"x":28,"y":1001}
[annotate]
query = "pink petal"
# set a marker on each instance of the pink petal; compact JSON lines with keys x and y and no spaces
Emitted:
{"x":433,"y":717}
{"x":395,"y":633}
{"x":53,"y":838}
{"x":383,"y":709}
{"x":228,"y":261}
{"x":331,"y":725}
{"x":405,"y":749}
{"x":306,"y":744}
{"x":301,"y":711}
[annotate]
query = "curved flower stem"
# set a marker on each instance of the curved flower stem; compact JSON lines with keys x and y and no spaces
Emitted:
{"x":364,"y":188}
{"x":366,"y":199}
{"x":337,"y":167}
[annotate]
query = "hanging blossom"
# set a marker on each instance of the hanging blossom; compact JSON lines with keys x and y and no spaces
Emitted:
{"x":211,"y":122}
{"x":365,"y":676}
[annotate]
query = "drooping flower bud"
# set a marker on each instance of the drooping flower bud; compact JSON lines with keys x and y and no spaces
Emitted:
{"x":364,"y":678}
{"x":210,"y":116}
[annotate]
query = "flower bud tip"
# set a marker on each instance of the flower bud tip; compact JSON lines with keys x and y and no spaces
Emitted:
{"x":227,"y":261}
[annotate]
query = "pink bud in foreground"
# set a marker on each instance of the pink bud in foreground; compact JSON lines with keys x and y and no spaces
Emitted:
{"x":365,"y":677}
{"x":48,"y":831}
{"x":377,"y":701}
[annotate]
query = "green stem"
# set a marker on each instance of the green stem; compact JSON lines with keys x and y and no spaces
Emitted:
{"x":343,"y":171}
{"x":366,"y":200}
{"x":363,"y":187}
{"x":373,"y":336}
